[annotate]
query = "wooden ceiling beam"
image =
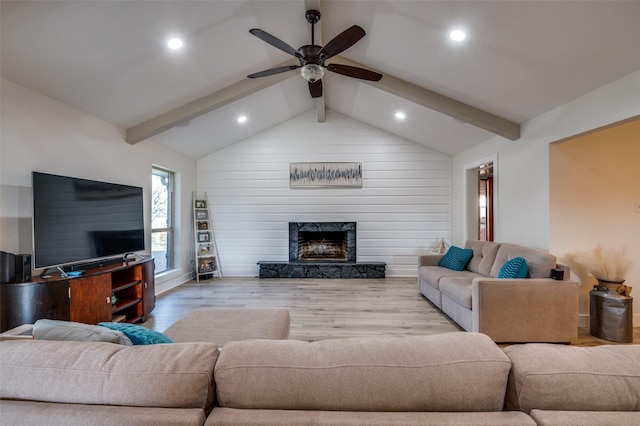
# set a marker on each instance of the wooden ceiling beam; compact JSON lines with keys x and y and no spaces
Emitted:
{"x":419,"y":95}
{"x":183,"y":114}
{"x":441,"y":103}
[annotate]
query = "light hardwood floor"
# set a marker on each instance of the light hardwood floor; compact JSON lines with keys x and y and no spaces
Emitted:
{"x":323,"y":309}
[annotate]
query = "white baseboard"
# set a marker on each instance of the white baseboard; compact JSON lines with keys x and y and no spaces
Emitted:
{"x":171,"y":279}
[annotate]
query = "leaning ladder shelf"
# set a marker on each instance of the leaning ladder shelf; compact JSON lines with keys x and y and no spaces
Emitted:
{"x":207,"y":261}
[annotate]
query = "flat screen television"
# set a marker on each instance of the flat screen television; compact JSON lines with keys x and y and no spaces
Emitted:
{"x":81,"y":221}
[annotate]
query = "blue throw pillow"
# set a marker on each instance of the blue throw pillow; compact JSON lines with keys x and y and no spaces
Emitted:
{"x":456,"y":258}
{"x":514,"y":268}
{"x":138,"y":334}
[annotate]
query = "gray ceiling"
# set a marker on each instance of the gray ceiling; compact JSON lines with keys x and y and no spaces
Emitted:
{"x":520,"y":59}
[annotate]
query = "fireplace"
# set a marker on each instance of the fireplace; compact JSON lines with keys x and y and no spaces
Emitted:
{"x":322,"y":241}
{"x":322,"y":250}
{"x":329,"y":245}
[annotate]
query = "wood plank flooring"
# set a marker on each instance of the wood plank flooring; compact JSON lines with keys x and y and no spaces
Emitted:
{"x":321,"y":308}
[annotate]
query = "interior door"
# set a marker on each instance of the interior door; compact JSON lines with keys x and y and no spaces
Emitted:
{"x":485,"y":202}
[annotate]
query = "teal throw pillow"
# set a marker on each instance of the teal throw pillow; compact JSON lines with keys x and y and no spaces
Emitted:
{"x":514,"y":268}
{"x":137,"y":334}
{"x":456,"y":258}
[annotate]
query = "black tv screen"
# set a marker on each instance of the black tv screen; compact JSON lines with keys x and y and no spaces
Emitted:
{"x":77,"y":220}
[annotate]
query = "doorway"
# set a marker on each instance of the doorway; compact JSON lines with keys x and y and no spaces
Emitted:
{"x":485,"y":202}
{"x":480,"y":200}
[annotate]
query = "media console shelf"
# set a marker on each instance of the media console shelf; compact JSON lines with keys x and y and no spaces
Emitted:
{"x":88,"y":298}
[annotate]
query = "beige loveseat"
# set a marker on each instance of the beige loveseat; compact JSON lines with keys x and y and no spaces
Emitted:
{"x":533,"y":309}
{"x":454,"y":378}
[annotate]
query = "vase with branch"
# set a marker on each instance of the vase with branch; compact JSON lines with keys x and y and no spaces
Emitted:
{"x":610,"y":266}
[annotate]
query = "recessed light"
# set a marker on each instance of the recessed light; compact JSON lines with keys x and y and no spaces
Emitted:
{"x":242,"y":119}
{"x":175,"y":43}
{"x":457,"y":35}
{"x":400,"y":115}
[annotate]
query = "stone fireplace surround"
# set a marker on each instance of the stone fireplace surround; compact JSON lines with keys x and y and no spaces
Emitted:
{"x":322,"y":250}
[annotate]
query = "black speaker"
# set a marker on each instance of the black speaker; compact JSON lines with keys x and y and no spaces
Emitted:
{"x":557,"y":274}
{"x":23,"y":267}
{"x":7,"y":267}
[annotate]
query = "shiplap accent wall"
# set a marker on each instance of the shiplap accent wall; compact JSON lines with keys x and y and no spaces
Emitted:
{"x":402,"y":209}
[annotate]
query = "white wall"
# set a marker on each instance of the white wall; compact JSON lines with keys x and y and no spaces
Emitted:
{"x":523,"y":183}
{"x":41,"y":134}
{"x":402,"y":209}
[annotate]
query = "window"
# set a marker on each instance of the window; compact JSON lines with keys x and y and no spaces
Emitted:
{"x":162,"y":219}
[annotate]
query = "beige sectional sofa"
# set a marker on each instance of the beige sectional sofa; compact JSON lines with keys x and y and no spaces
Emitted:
{"x":97,"y":383}
{"x":571,"y":386}
{"x":454,"y":378}
{"x":457,"y":378}
{"x":533,"y":309}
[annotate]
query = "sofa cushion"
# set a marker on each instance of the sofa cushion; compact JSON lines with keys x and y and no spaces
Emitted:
{"x":456,"y":258}
{"x":514,"y":268}
{"x":138,"y":334}
{"x":433,"y":274}
{"x":171,"y":376}
{"x":445,"y":372}
{"x":233,"y":416}
{"x":458,"y":289}
{"x":222,"y":325}
{"x":46,"y":329}
{"x":54,"y":414}
{"x":556,"y":377}
{"x":539,"y":261}
{"x":585,"y":418}
{"x":484,"y":256}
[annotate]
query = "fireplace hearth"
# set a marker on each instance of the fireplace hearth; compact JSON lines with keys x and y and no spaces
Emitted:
{"x":322,"y":250}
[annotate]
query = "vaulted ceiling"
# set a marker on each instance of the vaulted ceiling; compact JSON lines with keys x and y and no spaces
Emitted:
{"x":519,"y":60}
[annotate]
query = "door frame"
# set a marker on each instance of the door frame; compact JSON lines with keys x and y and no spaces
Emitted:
{"x":470,"y":198}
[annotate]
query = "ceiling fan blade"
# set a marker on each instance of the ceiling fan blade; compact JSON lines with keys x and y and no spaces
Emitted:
{"x":275,"y":42}
{"x":273,"y":71}
{"x":315,"y":89}
{"x":342,"y":42}
{"x":355,"y":72}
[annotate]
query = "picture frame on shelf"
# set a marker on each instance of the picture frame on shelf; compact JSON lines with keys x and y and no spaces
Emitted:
{"x":202,"y":215}
{"x":201,"y":204}
{"x":203,"y":226}
{"x":207,"y":264}
{"x":204,"y":237}
{"x":204,"y":249}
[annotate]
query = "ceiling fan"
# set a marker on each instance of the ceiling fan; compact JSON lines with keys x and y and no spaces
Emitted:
{"x":312,"y":58}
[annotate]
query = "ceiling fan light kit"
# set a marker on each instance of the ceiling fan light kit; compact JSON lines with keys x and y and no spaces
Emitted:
{"x":312,"y":57}
{"x":312,"y":72}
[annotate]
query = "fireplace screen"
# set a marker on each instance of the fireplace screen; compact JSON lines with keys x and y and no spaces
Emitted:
{"x":322,"y":245}
{"x":322,"y":241}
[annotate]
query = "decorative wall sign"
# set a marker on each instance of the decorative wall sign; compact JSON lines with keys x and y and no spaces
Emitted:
{"x":317,"y":175}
